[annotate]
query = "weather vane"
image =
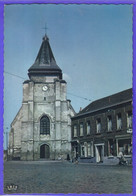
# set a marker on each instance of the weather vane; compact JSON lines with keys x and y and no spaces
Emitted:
{"x":45,"y":28}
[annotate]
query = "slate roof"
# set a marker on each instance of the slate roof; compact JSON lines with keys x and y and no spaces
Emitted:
{"x":45,"y":63}
{"x":107,"y":102}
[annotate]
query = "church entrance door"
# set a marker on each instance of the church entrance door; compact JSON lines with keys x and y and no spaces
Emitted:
{"x":44,"y":151}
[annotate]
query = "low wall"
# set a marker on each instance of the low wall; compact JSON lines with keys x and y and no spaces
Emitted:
{"x":87,"y":160}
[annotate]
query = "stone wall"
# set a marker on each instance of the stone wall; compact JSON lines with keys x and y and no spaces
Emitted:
{"x":26,"y":125}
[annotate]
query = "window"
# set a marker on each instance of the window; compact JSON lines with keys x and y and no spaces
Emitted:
{"x":75,"y":131}
{"x":119,"y":122}
{"x":98,"y":125}
{"x":129,"y":119}
{"x":44,"y":125}
{"x":90,"y":149}
{"x":110,"y":147}
{"x":81,"y":129}
{"x":109,"y":119}
{"x":125,"y":146}
{"x":88,"y":127}
{"x":82,"y":150}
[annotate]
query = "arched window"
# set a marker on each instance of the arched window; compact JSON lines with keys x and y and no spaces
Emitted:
{"x":44,"y":125}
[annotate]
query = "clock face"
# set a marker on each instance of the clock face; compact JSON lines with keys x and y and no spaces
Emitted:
{"x":45,"y":88}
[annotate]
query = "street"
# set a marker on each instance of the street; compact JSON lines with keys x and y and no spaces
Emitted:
{"x":65,"y":177}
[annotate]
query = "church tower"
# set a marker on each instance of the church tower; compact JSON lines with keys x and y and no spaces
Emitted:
{"x":42,"y":127}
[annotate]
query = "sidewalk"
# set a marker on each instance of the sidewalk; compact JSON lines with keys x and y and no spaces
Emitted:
{"x":44,"y":161}
{"x":94,"y":164}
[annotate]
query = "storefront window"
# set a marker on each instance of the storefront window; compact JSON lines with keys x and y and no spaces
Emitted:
{"x":82,"y":150}
{"x":125,"y":146}
{"x":110,"y":147}
{"x":90,"y":149}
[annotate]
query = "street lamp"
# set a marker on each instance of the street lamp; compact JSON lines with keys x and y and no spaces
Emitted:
{"x":6,"y":132}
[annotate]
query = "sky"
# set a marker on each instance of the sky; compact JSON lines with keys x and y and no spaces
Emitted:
{"x":92,"y":44}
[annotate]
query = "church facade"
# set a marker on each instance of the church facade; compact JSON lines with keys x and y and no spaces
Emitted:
{"x":42,"y":127}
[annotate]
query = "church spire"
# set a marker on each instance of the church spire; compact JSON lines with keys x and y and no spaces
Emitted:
{"x":45,"y":63}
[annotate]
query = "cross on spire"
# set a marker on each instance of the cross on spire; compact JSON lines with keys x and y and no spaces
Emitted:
{"x":45,"y":28}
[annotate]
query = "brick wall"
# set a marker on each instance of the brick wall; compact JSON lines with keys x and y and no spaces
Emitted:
{"x":103,"y":114}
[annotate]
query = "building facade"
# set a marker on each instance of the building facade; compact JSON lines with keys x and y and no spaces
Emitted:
{"x":103,"y":129}
{"x":42,"y":127}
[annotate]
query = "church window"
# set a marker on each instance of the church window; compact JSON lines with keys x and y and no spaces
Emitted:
{"x":44,"y":125}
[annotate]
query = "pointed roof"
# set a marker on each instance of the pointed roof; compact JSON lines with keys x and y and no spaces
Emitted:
{"x":45,"y":63}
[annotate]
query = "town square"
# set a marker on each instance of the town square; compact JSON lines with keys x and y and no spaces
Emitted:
{"x":66,"y":177}
{"x":68,"y":104}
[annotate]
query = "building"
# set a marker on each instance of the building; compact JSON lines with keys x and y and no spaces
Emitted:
{"x":103,"y":129}
{"x":42,"y":127}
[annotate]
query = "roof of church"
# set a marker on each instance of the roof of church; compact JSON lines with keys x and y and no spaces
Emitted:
{"x":45,"y":63}
{"x":107,"y":102}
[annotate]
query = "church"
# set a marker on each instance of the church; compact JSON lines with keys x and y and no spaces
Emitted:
{"x":42,"y":126}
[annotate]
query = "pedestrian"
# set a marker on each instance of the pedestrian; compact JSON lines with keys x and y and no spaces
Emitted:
{"x":76,"y":160}
{"x":122,"y":160}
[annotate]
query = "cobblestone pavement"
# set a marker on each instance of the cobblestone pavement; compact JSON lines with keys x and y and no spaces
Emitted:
{"x":64,"y":177}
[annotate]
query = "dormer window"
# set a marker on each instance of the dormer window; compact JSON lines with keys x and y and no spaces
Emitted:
{"x":98,"y":125}
{"x":129,"y":119}
{"x":119,"y":122}
{"x":88,"y":127}
{"x":109,"y":120}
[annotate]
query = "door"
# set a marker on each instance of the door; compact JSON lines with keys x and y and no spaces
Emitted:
{"x":99,"y":149}
{"x":100,"y":153}
{"x":44,"y":151}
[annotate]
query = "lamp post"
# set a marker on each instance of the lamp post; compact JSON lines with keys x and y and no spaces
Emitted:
{"x":6,"y":140}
